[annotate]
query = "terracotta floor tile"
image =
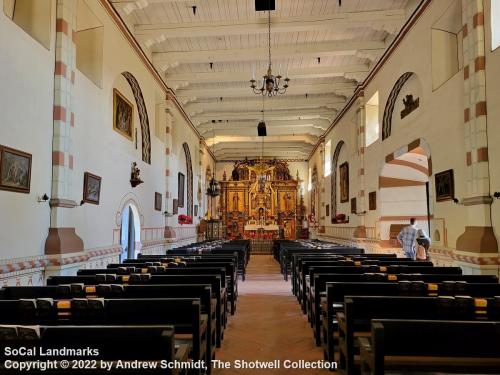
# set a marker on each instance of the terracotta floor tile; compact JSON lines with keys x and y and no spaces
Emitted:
{"x":268,"y":324}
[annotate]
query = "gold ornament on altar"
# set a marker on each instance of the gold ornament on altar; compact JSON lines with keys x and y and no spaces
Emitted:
{"x":261,"y":194}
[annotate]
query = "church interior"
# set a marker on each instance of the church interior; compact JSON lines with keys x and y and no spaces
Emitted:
{"x":251,"y":186}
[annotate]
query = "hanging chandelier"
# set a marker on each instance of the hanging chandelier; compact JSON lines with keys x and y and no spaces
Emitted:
{"x":271,"y":85}
{"x":213,"y":189}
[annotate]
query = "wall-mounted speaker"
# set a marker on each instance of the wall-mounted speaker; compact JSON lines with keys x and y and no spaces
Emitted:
{"x":262,"y":5}
{"x":261,"y":129}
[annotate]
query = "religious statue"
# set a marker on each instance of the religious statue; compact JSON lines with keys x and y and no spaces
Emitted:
{"x":235,"y":175}
{"x":235,"y":202}
{"x":224,"y":177}
{"x":288,"y":202}
{"x":262,"y":215}
{"x":134,"y":175}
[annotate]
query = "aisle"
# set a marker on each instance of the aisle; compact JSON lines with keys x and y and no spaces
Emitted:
{"x":268,"y":324}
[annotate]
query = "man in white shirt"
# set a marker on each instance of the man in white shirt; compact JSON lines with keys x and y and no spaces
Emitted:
{"x":407,"y":238}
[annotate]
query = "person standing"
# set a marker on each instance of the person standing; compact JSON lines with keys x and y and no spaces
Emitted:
{"x":407,"y":238}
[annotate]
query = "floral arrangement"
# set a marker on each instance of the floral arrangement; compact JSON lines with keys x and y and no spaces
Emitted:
{"x":185,"y":219}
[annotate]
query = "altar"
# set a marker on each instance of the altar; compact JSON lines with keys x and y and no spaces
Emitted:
{"x":266,"y":228}
{"x":261,"y":200}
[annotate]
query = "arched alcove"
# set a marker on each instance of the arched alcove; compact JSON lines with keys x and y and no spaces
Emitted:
{"x":333,"y":184}
{"x":189,"y":177}
{"x":405,"y":189}
{"x":391,"y":102}
{"x":143,"y":116}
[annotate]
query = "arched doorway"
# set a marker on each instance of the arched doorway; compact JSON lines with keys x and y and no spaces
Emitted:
{"x":130,"y":233}
{"x":405,"y":190}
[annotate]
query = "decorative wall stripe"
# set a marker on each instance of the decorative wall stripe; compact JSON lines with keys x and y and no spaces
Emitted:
{"x":391,"y":101}
{"x":143,"y":116}
{"x":58,"y":158}
{"x":333,"y":182}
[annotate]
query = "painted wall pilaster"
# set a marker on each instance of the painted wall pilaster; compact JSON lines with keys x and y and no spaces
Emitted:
{"x":478,"y":235}
{"x":62,"y":237}
{"x":169,"y":123}
{"x":360,"y":231}
{"x":321,"y":208}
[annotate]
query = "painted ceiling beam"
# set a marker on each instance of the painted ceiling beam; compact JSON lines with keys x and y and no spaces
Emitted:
{"x":300,"y":89}
{"x":388,"y":20}
{"x":269,"y":114}
{"x":334,"y":48}
{"x":281,"y":131}
{"x":208,"y":128}
{"x":283,"y":102}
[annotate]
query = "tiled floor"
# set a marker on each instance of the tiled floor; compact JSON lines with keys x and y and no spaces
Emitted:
{"x":268,"y":324}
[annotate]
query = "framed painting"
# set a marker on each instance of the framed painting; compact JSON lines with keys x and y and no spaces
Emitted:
{"x":327,"y":210}
{"x":175,"y":206}
{"x":91,"y":188}
{"x":344,"y":182}
{"x":195,"y":210}
{"x":123,"y":115}
{"x":372,"y":200}
{"x":15,"y":170}
{"x":181,"y":179}
{"x":354,"y":206}
{"x":445,"y":186}
{"x":158,"y":201}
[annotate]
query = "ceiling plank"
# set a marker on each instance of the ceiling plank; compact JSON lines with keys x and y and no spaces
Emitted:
{"x":387,"y":20}
{"x":164,"y":60}
{"x":182,"y":79}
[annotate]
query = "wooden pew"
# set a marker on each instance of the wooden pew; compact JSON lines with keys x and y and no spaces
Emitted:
{"x":146,"y":279}
{"x":389,"y":269}
{"x":144,"y":343}
{"x":377,"y":265}
{"x":168,"y":271}
{"x":108,"y":291}
{"x":183,"y":313}
{"x":299,"y":258}
{"x":359,"y":311}
{"x":431,"y":346}
{"x":286,"y":257}
{"x":231,"y":273}
{"x":337,"y":291}
{"x":318,"y":290}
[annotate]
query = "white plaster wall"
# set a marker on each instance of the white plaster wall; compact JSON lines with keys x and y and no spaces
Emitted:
{"x":493,"y":96}
{"x":439,"y":122}
{"x":26,"y":99}
{"x":26,"y":124}
{"x":100,"y":150}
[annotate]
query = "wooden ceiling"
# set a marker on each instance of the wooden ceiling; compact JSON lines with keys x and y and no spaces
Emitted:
{"x":208,"y":58}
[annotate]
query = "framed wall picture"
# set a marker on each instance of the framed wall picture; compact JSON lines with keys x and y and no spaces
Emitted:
{"x":344,"y":182}
{"x":445,"y":186}
{"x":91,"y":188}
{"x":175,"y":206}
{"x":354,"y":206}
{"x":372,"y":200}
{"x":158,"y":201}
{"x":327,"y":210}
{"x":123,"y":115}
{"x":195,"y":210}
{"x":180,"y":192}
{"x":15,"y":170}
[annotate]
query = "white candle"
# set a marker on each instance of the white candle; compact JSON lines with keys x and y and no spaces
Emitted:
{"x":253,"y":72}
{"x":279,"y":72}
